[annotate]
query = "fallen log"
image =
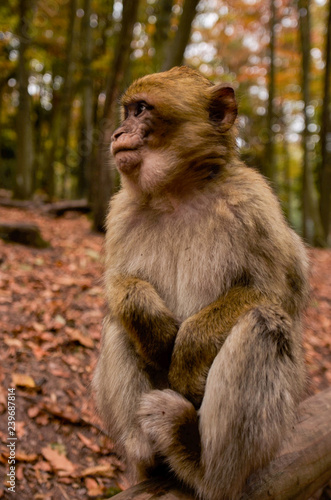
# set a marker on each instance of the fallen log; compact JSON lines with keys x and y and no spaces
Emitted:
{"x":25,"y":234}
{"x":9,"y":203}
{"x":60,"y":207}
{"x":302,"y":466}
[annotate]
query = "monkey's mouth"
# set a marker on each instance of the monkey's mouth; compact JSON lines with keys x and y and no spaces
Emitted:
{"x":126,"y":159}
{"x":117,"y":148}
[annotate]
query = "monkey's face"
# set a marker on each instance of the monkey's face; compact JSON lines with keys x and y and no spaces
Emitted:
{"x":173,"y":123}
{"x":129,"y":139}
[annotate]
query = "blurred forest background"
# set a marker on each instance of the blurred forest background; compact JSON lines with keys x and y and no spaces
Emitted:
{"x":64,"y":64}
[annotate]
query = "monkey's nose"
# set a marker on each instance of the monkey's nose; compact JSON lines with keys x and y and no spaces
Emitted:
{"x":117,"y":134}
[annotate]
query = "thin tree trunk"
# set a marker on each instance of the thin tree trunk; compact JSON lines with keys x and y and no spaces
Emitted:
{"x":175,"y":51}
{"x":53,"y":137}
{"x":287,"y":179}
{"x":85,"y":145}
{"x":67,"y":94}
{"x":325,"y":201}
{"x":2,"y":174}
{"x":163,"y":10}
{"x":311,"y":222}
{"x":103,"y":182}
{"x":25,"y":147}
{"x":270,"y":164}
{"x":62,"y":101}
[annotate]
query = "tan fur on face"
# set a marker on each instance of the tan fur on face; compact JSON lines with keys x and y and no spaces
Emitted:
{"x":201,"y":364}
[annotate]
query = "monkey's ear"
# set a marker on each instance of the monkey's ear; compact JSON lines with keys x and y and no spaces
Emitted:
{"x":223,"y":107}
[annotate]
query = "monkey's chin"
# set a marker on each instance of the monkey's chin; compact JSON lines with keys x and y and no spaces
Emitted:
{"x":127,"y":161}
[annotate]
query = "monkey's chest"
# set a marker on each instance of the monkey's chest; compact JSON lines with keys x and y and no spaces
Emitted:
{"x":189,"y":267}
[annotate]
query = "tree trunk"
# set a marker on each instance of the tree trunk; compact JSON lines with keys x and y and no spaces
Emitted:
{"x":270,"y":164}
{"x":67,"y":95}
{"x":103,"y":183}
{"x":311,"y":222}
{"x":176,"y":49}
{"x":62,"y":102}
{"x":163,"y":10}
{"x":325,"y":177}
{"x":302,"y":466}
{"x":25,"y":147}
{"x":287,"y":182}
{"x":85,"y":145}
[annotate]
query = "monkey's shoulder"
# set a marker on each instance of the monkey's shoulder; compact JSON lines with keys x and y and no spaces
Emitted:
{"x":242,"y":186}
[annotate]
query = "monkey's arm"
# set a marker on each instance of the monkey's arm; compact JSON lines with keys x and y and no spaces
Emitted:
{"x":151,"y":326}
{"x":201,"y":337}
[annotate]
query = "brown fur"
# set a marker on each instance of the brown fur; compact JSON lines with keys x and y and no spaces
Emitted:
{"x":201,"y":364}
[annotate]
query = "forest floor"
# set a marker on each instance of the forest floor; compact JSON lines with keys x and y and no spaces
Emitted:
{"x":51,"y":310}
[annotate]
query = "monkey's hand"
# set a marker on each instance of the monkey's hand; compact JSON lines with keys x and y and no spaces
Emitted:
{"x":200,"y":338}
{"x":151,"y":326}
{"x":170,"y":422}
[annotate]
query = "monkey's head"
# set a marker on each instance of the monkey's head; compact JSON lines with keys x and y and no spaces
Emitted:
{"x":175,"y":126}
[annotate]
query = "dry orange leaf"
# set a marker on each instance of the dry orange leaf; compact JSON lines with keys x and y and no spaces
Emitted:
{"x":24,"y":457}
{"x":66,"y":414}
{"x":33,"y":411}
{"x":13,"y":343}
{"x":43,"y":465}
{"x":19,"y":379}
{"x":103,"y":470}
{"x":93,"y":488}
{"x":20,"y":429}
{"x":58,"y":462}
{"x":21,"y":456}
{"x":77,"y":336}
{"x":88,"y":442}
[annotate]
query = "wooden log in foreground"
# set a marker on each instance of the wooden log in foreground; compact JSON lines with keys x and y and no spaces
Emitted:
{"x":302,"y":466}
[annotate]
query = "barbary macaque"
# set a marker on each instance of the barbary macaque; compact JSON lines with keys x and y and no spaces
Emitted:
{"x":201,"y":366}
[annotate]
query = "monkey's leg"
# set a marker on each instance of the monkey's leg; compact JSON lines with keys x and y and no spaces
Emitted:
{"x":151,"y":326}
{"x":200,"y":338}
{"x":119,"y":382}
{"x":252,"y":390}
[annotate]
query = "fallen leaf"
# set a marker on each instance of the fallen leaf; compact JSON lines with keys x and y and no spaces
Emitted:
{"x":24,"y":457}
{"x":42,"y":419}
{"x":77,"y":336}
{"x":21,"y":380}
{"x":60,"y":373}
{"x":38,"y":327}
{"x":20,"y":429}
{"x":14,"y":343}
{"x":93,"y":488}
{"x":43,"y":465}
{"x":20,"y":456}
{"x":88,"y":442}
{"x":67,"y":414}
{"x":20,"y":472}
{"x":103,"y":470}
{"x":33,"y":411}
{"x":58,"y":462}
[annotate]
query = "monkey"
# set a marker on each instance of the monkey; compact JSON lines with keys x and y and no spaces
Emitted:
{"x":201,"y":362}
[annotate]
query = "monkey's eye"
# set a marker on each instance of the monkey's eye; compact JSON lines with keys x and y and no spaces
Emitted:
{"x":140,"y":107}
{"x":135,"y":108}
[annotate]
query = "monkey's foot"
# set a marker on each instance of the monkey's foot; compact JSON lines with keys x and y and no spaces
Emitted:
{"x":170,"y":421}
